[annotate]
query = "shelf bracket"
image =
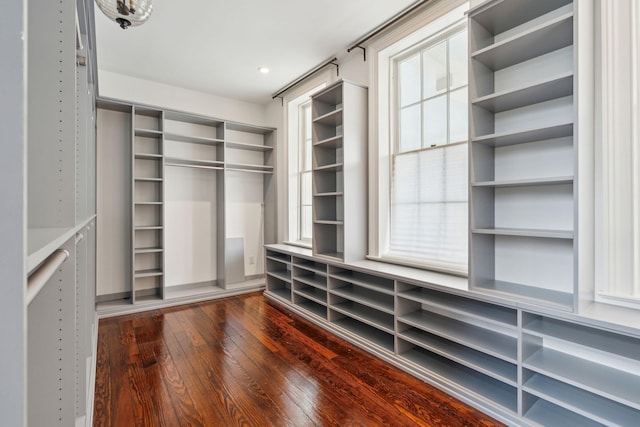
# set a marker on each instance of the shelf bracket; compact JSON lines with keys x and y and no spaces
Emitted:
{"x":364,"y":51}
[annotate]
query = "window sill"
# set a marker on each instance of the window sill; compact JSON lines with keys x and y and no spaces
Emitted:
{"x":298,"y":244}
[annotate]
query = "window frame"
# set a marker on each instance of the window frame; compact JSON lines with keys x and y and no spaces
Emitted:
{"x":442,"y":19}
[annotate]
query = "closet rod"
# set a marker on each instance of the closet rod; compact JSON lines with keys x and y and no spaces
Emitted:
{"x":41,"y":276}
{"x":386,"y":24}
{"x":304,"y":76}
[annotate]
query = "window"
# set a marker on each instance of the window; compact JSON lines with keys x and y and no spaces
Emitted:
{"x":304,"y":181}
{"x":429,"y":180}
{"x":299,"y":180}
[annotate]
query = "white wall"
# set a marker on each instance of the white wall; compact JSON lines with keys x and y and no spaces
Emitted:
{"x":135,"y":90}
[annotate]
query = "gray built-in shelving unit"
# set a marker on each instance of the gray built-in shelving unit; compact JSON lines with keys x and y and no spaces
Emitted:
{"x":192,"y":179}
{"x":518,"y":363}
{"x":48,"y":257}
{"x":523,"y":151}
{"x":339,"y":118}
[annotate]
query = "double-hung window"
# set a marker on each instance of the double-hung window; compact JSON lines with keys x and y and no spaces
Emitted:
{"x":429,"y":179}
{"x":304,"y":185}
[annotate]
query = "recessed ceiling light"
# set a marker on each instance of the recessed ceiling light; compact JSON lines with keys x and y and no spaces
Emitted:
{"x":264,"y":70}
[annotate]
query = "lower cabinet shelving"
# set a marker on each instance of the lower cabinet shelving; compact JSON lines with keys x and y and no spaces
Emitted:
{"x":524,"y":367}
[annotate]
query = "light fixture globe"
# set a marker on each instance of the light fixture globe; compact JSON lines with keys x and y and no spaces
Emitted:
{"x":127,"y":13}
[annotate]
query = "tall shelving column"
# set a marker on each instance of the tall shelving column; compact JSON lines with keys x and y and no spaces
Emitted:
{"x":339,"y":116}
{"x":522,"y":151}
{"x":249,"y":201}
{"x":147,"y":210}
{"x":193,"y":151}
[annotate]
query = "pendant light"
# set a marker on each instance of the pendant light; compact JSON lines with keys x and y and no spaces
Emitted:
{"x":127,"y":13}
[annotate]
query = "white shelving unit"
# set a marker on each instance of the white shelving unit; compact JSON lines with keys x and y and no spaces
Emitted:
{"x":215,"y":174}
{"x":523,"y":158}
{"x":339,"y":117}
{"x":517,"y":363}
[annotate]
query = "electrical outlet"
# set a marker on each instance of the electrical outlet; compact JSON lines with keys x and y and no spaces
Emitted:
{"x":252,"y":260}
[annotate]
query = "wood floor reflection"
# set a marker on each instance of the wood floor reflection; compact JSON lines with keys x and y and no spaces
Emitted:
{"x":244,"y":361}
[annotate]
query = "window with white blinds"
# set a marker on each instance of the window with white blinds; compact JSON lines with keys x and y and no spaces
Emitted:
{"x":429,"y":171}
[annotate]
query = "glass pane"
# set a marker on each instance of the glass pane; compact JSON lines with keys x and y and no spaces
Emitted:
{"x":305,"y":223}
{"x":409,"y":128}
{"x":459,"y":115}
{"x":409,"y":82}
{"x":435,"y":70}
{"x":305,"y":188}
{"x":458,"y":60}
{"x":435,"y":121}
{"x":307,"y":121}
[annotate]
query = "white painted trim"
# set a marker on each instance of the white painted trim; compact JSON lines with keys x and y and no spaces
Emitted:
{"x":618,"y":156}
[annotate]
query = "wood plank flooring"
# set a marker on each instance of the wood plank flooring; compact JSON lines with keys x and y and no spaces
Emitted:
{"x":244,"y":361}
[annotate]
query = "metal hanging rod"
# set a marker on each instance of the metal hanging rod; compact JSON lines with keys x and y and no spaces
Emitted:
{"x":332,"y":61}
{"x":380,"y":28}
{"x":41,"y":276}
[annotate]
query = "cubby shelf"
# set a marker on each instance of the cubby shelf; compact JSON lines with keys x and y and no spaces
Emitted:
{"x":282,"y":275}
{"x":493,"y":343}
{"x":332,"y":118}
{"x":583,"y":403}
{"x":498,"y":354}
{"x":312,"y":280}
{"x":611,"y":383}
{"x":499,"y":369}
{"x":313,"y":294}
{"x":366,"y":297}
{"x":484,"y":387}
{"x":485,"y":312}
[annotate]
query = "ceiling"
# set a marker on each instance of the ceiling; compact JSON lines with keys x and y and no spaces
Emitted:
{"x":217,"y":46}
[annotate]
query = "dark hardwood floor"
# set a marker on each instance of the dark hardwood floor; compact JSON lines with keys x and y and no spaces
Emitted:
{"x":244,"y":361}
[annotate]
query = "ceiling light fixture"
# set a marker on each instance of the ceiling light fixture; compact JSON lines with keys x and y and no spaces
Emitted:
{"x":127,"y":13}
{"x":264,"y":70}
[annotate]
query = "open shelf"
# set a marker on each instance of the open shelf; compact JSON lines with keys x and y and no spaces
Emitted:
{"x":366,"y":297}
{"x":147,"y":156}
{"x":375,"y":318}
{"x":313,"y":307}
{"x":331,"y":167}
{"x":582,"y":402}
{"x":476,"y":360}
{"x":503,"y":139}
{"x":371,"y":334}
{"x":311,"y":293}
{"x":491,"y":15}
{"x":560,"y":180}
{"x":551,"y":35}
{"x":606,"y":342}
{"x":193,"y":139}
{"x":379,"y":284}
{"x":149,"y":250}
{"x":486,"y":312}
{"x":282,"y":275}
{"x":493,"y":343}
{"x":545,"y":90}
{"x":314,"y":280}
{"x":547,"y":234}
{"x":246,"y":146}
{"x":483,"y":386}
{"x":333,"y":142}
{"x":245,"y":167}
{"x":531,"y":294}
{"x":143,"y":179}
{"x":316,"y":267}
{"x":547,"y":414}
{"x":596,"y":378}
{"x":332,"y":118}
{"x":148,"y":273}
{"x":193,"y":163}
{"x":148,"y":133}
